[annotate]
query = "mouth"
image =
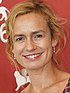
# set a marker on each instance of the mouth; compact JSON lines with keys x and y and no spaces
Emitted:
{"x":33,"y":57}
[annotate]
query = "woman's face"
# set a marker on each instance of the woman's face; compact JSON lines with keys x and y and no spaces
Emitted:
{"x":32,"y":41}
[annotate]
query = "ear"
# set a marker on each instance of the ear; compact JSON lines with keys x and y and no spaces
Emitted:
{"x":54,"y":42}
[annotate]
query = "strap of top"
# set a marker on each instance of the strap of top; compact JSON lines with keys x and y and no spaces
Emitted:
{"x":67,"y":88}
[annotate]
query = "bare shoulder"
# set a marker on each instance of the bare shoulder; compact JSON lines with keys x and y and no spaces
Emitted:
{"x":26,"y":90}
{"x":67,"y":74}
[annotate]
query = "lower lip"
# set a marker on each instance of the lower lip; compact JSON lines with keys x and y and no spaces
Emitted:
{"x":35,"y":58}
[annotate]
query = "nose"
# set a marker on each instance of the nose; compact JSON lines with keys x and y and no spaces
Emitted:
{"x":30,"y":45}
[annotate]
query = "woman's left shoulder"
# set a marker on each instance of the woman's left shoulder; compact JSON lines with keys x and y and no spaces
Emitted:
{"x":66,"y":75}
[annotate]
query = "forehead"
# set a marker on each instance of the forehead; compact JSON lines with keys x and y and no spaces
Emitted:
{"x":29,"y":22}
{"x":35,"y":17}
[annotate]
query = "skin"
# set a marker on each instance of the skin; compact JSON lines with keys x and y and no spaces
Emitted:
{"x":33,"y":50}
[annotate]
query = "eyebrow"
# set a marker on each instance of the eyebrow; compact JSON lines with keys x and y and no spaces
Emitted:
{"x":35,"y":32}
{"x":18,"y":35}
{"x":38,"y":31}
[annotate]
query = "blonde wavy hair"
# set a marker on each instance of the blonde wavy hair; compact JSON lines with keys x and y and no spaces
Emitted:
{"x":36,"y":6}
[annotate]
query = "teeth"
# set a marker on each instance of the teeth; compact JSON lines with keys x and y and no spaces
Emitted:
{"x":32,"y":56}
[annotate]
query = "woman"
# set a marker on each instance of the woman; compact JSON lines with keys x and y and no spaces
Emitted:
{"x":35,"y":39}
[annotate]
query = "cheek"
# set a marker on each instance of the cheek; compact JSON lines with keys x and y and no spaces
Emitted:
{"x":18,"y":49}
{"x":46,"y":44}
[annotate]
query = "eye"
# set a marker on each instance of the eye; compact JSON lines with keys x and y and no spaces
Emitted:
{"x":38,"y":36}
{"x":19,"y":39}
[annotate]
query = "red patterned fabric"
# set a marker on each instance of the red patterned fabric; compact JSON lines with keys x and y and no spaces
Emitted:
{"x":67,"y":88}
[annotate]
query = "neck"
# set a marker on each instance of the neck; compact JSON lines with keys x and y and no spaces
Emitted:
{"x":43,"y":77}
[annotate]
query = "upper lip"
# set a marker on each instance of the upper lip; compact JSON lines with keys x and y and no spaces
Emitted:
{"x":32,"y":54}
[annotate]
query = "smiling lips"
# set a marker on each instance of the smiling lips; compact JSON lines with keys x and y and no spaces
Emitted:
{"x":33,"y":56}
